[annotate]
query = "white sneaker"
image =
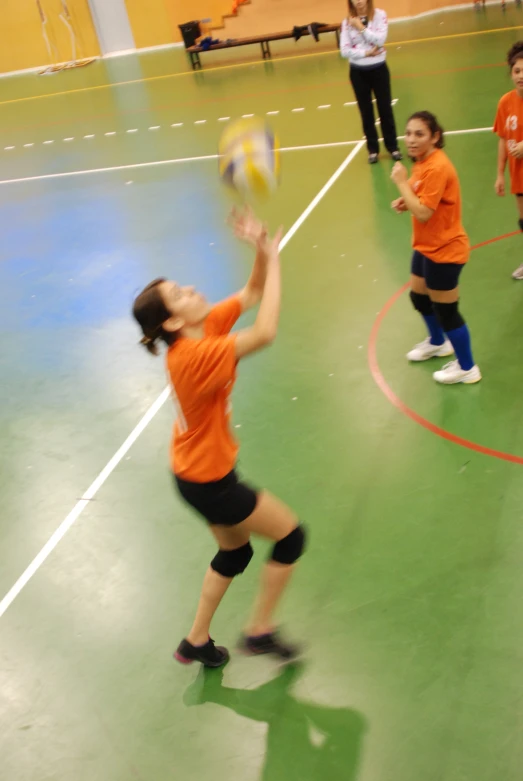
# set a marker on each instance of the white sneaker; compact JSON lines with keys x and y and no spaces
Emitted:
{"x":425,"y":350}
{"x":452,"y":373}
{"x":518,"y":273}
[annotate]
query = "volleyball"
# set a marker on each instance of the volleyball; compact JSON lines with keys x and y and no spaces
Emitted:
{"x":250,"y":157}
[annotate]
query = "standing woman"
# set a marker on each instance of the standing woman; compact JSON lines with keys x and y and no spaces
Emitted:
{"x":508,"y":125}
{"x":202,"y":356}
{"x":441,"y":248}
{"x":363,"y":35}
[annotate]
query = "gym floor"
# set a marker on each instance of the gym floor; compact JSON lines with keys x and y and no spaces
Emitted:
{"x":409,"y":595}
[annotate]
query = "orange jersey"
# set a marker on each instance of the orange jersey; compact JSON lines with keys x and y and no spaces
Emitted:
{"x":443,"y":238}
{"x":202,"y":374}
{"x":508,"y":125}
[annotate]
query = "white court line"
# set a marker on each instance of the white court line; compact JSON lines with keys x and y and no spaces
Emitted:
{"x":178,"y":160}
{"x":174,"y":161}
{"x":305,"y":147}
{"x":93,"y":489}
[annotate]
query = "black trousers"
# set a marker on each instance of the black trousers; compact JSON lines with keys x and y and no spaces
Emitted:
{"x":365,"y":82}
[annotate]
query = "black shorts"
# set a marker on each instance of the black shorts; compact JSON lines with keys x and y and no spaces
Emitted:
{"x":225,"y":502}
{"x":438,"y":276}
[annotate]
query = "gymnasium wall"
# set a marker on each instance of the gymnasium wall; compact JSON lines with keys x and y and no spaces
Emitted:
{"x":155,"y":22}
{"x":22,"y":43}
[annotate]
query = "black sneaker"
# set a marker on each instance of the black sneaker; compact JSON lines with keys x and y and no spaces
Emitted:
{"x":268,"y":644}
{"x":373,"y":158}
{"x":209,"y":655}
{"x":396,"y":155}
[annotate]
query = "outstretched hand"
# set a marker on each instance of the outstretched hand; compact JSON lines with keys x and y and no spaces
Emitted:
{"x":247,"y":227}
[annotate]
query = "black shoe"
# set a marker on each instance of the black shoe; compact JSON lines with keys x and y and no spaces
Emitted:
{"x":209,"y":655}
{"x":396,"y":155}
{"x":373,"y":158}
{"x":268,"y":644}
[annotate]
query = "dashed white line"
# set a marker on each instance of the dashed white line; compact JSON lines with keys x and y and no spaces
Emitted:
{"x":110,"y":133}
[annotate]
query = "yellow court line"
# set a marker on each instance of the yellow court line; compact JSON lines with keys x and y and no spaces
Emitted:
{"x":244,"y":65}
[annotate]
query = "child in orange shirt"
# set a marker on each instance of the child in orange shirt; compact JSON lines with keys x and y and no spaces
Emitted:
{"x":508,"y":125}
{"x":441,"y":248}
{"x":202,"y":356}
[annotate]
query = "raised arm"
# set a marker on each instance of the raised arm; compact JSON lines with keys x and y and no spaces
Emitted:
{"x":252,"y":231}
{"x":265,"y":327}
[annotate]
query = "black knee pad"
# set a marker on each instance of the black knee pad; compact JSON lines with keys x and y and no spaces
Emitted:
{"x":289,"y":550}
{"x":520,"y":223}
{"x":448,"y":316}
{"x":230,"y":563}
{"x":421,"y":303}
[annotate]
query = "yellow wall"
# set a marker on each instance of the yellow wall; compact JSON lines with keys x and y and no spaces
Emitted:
{"x":155,"y":22}
{"x":22,"y":43}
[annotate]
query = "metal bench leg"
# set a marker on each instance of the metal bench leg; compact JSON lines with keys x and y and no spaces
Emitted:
{"x":195,"y":60}
{"x":266,"y":51}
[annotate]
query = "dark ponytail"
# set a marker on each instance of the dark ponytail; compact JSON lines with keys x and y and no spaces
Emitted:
{"x":515,"y":53}
{"x":432,"y":124}
{"x":150,"y":312}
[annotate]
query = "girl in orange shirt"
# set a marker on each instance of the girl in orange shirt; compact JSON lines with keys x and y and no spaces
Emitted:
{"x":201,"y":358}
{"x":441,"y":248}
{"x":508,"y":125}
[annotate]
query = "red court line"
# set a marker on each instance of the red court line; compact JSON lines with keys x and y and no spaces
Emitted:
{"x":385,"y":388}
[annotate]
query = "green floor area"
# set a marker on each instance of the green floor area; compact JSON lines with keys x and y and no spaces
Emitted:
{"x":408,"y":596}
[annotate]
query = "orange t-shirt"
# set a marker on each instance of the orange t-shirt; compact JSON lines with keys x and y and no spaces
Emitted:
{"x":509,"y":126}
{"x":202,"y":374}
{"x":443,"y":238}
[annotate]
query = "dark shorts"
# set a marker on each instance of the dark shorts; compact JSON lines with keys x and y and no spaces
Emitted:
{"x":225,"y":502}
{"x":438,"y":276}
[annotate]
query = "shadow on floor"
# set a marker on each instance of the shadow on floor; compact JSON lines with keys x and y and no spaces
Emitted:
{"x":304,"y":741}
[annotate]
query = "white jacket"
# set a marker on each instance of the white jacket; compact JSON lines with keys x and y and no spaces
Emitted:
{"x":354,"y":44}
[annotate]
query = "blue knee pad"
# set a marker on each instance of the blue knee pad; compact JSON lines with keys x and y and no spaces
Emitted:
{"x":289,"y":550}
{"x":229,"y":563}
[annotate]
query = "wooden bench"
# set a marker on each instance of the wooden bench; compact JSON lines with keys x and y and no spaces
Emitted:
{"x":264,"y":41}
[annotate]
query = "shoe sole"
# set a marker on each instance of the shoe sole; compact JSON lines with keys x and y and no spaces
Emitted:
{"x":459,"y":382}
